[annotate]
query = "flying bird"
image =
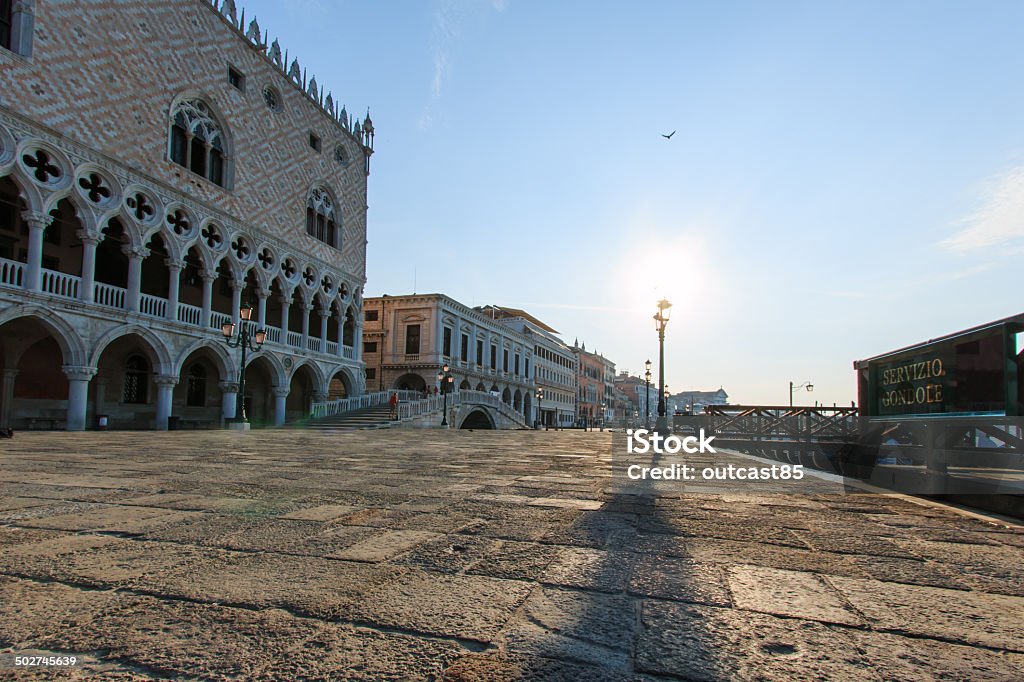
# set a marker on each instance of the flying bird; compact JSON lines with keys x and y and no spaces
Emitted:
{"x":669,"y":136}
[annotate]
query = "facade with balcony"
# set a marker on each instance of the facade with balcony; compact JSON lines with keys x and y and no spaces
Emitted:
{"x":146,"y":195}
{"x":407,"y":340}
{"x":595,"y":383}
{"x":554,"y":366}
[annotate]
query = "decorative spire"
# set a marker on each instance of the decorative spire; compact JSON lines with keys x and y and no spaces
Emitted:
{"x":254,"y":34}
{"x":312,"y":91}
{"x":275,"y":53}
{"x":228,"y":10}
{"x":294,"y":73}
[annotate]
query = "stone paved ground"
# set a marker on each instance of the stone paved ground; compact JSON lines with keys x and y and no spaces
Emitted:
{"x":475,"y":556}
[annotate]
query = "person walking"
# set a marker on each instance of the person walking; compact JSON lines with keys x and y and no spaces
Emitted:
{"x":393,"y":404}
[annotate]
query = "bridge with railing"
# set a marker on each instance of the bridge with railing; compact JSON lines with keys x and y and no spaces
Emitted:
{"x":415,"y":409}
{"x":978,"y":457}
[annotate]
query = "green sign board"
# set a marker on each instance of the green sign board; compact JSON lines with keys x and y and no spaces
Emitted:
{"x":964,"y":375}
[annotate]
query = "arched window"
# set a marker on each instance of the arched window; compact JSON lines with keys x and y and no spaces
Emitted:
{"x":197,"y":140}
{"x":6,"y":23}
{"x":196,"y":396}
{"x":136,"y":380}
{"x":320,"y":217}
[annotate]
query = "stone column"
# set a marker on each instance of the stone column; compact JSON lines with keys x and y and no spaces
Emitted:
{"x":89,"y":242}
{"x":165,"y":384}
{"x":7,"y":396}
{"x":286,"y":303}
{"x":209,"y":277}
{"x":261,"y":308}
{"x":325,"y":316}
{"x":78,"y":395}
{"x":307,"y":308}
{"x":236,"y":300}
{"x":280,"y":404}
{"x":135,"y":254}
{"x":174,"y":268}
{"x":229,"y":399}
{"x":341,"y":333}
{"x":37,"y":224}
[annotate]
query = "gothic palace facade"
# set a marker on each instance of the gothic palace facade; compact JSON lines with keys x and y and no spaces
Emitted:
{"x":162,"y":164}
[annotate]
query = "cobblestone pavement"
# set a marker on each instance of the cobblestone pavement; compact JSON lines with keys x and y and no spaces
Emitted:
{"x":399,"y":555}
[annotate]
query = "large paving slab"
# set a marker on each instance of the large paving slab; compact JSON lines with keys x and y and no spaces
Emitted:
{"x":427,"y":555}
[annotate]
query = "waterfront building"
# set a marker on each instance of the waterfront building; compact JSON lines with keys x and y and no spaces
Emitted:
{"x":695,"y":401}
{"x":595,"y":379}
{"x":162,"y":164}
{"x":408,"y":339}
{"x":554,"y":366}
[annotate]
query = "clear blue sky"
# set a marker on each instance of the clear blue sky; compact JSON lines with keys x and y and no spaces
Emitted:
{"x":846,"y":177}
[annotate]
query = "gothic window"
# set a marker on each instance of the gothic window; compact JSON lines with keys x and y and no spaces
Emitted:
{"x":340,"y":155}
{"x":272,"y":98}
{"x":197,"y":140}
{"x":136,"y":380}
{"x":321,"y":222}
{"x":196,"y":396}
{"x":5,"y":23}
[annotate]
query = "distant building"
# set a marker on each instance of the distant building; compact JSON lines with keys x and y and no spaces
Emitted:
{"x":636,"y":392}
{"x":554,"y":365}
{"x":408,"y":339}
{"x":595,"y":377}
{"x":695,"y":401}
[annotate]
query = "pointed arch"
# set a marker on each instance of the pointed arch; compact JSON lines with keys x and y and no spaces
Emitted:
{"x":162,"y":360}
{"x":72,"y":346}
{"x":226,"y":365}
{"x":199,"y":139}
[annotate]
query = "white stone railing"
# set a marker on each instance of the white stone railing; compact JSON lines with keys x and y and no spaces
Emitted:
{"x":59,"y":284}
{"x":109,"y":295}
{"x":343,"y":405}
{"x":218,"y":320}
{"x":152,"y":305}
{"x":12,"y":273}
{"x":189,"y":314}
{"x":273,"y":334}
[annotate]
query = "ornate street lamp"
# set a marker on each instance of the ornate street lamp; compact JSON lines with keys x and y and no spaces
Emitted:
{"x":660,"y":322}
{"x":540,"y":397}
{"x":808,"y":385}
{"x":248,"y":341}
{"x":647,"y":397}
{"x":447,"y":381}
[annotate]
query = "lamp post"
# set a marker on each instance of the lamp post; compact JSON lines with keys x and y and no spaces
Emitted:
{"x":248,"y":341}
{"x":540,"y":397}
{"x":447,"y":380}
{"x":647,"y":397}
{"x":660,"y":322}
{"x":808,"y":385}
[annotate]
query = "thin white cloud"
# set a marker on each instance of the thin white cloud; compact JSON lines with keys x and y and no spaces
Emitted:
{"x":998,"y":221}
{"x":448,"y":21}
